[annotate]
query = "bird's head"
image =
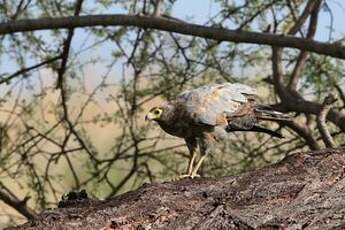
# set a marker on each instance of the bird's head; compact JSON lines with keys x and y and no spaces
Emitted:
{"x":154,"y":114}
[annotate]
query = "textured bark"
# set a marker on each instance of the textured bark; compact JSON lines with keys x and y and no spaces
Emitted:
{"x":303,"y":191}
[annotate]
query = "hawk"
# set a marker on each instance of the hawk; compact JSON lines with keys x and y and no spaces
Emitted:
{"x":204,"y":115}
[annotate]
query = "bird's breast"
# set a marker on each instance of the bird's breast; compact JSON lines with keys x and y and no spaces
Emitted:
{"x":180,"y":129}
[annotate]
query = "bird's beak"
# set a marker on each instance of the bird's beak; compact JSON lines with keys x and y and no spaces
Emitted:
{"x":148,"y":117}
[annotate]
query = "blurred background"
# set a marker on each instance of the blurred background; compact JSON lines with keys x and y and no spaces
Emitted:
{"x":72,"y":102}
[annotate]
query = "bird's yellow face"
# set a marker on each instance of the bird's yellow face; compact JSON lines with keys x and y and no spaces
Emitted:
{"x":154,"y":114}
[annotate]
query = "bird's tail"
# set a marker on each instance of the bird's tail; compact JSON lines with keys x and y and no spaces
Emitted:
{"x":265,"y":112}
{"x":256,"y":129}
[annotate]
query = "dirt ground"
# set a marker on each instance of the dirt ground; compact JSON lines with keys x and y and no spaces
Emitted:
{"x":303,"y":191}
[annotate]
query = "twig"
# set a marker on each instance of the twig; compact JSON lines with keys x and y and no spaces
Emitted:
{"x":66,"y":48}
{"x":25,"y":70}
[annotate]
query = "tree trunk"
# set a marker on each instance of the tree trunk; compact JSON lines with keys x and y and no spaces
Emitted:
{"x":303,"y":191}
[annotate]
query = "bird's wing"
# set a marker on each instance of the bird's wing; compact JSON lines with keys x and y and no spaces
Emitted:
{"x":207,"y":104}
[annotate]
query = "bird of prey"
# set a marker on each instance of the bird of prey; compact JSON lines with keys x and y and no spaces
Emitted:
{"x":204,"y":115}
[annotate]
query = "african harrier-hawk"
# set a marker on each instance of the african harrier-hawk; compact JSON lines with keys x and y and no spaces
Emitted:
{"x":204,"y":115}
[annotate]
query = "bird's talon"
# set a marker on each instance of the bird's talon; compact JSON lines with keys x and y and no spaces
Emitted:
{"x":191,"y":176}
{"x":184,"y":176}
{"x":194,"y":176}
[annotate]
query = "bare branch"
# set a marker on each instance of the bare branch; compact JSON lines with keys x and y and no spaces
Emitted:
{"x":304,"y":132}
{"x":25,"y":70}
{"x":66,"y":48}
{"x":157,"y":5}
{"x":303,"y":17}
{"x":295,"y":103}
{"x":321,"y":121}
{"x":14,"y":202}
{"x":159,"y":23}
{"x":302,"y":57}
{"x":340,"y":92}
{"x":277,"y":71}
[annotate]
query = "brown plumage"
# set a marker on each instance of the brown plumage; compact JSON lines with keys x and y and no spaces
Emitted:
{"x":204,"y":115}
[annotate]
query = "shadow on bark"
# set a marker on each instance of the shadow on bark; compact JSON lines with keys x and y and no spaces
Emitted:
{"x":303,"y":191}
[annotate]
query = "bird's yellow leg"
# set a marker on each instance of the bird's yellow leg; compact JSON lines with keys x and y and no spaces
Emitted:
{"x":204,"y":144}
{"x":191,"y":163}
{"x":196,"y":168}
{"x":190,"y":167}
{"x":191,"y":144}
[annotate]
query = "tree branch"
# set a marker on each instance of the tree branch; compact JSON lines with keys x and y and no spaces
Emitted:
{"x":303,"y":17}
{"x":321,"y":121}
{"x":25,"y":70}
{"x":15,"y":203}
{"x":299,"y":105}
{"x":157,"y":8}
{"x":66,"y":48}
{"x":159,"y":23}
{"x":341,"y":93}
{"x":304,"y":132}
{"x":302,"y":57}
{"x":277,"y":72}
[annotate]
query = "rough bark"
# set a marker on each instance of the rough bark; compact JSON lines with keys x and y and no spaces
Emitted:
{"x":303,"y":191}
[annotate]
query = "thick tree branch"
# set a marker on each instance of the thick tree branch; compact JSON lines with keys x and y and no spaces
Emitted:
{"x":221,"y":34}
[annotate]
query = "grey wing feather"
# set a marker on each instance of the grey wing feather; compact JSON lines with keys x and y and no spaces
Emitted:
{"x":205,"y":103}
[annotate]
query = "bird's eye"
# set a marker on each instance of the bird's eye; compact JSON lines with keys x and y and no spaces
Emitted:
{"x":156,"y":112}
